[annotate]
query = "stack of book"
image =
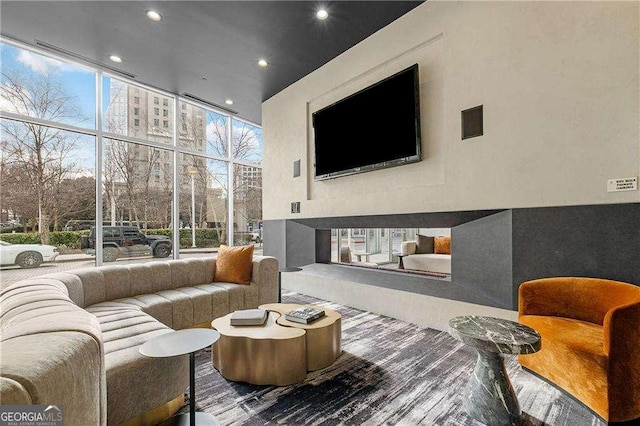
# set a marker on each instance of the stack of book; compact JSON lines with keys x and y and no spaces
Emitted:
{"x":249,"y":317}
{"x":304,"y":314}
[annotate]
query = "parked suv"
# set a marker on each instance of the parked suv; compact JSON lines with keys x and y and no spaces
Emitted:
{"x":126,"y":241}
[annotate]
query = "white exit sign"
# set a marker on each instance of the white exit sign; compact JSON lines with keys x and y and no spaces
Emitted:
{"x":622,"y":184}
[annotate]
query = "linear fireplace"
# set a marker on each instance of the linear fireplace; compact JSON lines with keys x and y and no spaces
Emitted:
{"x":493,"y":251}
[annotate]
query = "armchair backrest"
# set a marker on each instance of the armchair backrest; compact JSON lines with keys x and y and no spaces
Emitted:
{"x":585,"y":299}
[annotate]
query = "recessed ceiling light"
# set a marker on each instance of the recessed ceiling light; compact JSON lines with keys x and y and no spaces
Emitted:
{"x":115,"y":58}
{"x":154,"y":16}
{"x":262,"y":63}
{"x":322,"y":14}
{"x":228,"y":102}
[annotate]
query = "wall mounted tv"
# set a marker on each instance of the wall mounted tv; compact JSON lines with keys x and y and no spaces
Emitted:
{"x":374,"y":128}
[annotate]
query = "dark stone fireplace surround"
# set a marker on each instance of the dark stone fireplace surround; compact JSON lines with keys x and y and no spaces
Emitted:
{"x":493,"y":251}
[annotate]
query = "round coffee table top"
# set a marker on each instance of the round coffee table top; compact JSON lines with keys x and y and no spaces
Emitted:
{"x":268,"y":330}
{"x":282,"y":308}
{"x":179,"y":342}
{"x":495,"y":334}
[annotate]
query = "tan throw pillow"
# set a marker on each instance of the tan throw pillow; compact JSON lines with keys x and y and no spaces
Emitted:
{"x":442,"y":245}
{"x":234,"y":264}
{"x":424,"y":244}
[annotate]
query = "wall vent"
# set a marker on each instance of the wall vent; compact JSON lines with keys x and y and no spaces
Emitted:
{"x":70,"y":54}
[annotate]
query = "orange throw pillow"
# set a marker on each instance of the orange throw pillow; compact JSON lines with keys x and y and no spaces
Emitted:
{"x":234,"y":264}
{"x":442,"y":245}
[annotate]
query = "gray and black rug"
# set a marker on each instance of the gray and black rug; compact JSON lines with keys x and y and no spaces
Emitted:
{"x":390,"y":373}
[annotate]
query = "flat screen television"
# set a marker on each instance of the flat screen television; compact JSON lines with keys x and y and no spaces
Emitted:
{"x":374,"y":128}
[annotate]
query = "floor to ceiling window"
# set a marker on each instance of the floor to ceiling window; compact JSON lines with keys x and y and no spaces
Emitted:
{"x":163,"y":165}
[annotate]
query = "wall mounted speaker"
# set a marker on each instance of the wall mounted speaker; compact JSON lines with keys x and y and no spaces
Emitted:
{"x":472,"y":122}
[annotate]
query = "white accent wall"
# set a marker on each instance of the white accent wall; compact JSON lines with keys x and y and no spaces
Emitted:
{"x":559,"y":82}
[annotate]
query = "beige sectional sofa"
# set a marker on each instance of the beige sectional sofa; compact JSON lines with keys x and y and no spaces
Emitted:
{"x":72,"y":338}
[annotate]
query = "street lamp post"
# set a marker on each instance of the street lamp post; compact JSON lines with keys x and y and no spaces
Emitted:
{"x":193,"y":173}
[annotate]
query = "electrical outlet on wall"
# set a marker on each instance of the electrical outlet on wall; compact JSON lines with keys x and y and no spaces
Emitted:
{"x":295,"y":207}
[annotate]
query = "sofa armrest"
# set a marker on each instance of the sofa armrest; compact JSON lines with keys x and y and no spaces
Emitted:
{"x":407,"y":248}
{"x":265,"y":276}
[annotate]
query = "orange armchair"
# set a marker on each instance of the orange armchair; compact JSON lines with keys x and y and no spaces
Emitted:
{"x":590,"y":332}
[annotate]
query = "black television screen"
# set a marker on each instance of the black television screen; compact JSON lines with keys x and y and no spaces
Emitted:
{"x":376,"y":127}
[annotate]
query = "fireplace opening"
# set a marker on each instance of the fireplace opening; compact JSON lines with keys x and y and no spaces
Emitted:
{"x":421,"y":251}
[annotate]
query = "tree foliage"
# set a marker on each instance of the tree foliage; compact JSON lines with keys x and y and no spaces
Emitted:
{"x":42,"y":154}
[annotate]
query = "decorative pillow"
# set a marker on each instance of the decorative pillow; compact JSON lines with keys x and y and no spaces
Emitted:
{"x":442,"y":245}
{"x":424,"y":244}
{"x":234,"y":264}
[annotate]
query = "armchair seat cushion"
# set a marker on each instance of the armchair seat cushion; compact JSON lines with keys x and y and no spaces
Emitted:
{"x":574,"y":343}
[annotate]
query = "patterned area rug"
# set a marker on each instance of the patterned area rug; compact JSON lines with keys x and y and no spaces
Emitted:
{"x":390,"y":373}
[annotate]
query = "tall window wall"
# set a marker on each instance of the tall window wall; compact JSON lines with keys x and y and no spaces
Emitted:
{"x":170,"y":167}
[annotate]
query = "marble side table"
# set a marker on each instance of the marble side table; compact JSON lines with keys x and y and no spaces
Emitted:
{"x":490,"y":398}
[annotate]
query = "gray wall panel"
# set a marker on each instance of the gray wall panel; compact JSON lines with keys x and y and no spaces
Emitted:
{"x":301,"y":244}
{"x":323,"y":245}
{"x":413,"y":220}
{"x":273,"y":236}
{"x":600,"y":241}
{"x":481,"y":258}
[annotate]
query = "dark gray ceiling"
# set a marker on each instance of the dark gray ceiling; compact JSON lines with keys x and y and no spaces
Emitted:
{"x":220,"y":41}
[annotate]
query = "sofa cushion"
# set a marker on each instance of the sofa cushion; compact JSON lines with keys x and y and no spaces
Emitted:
{"x":428,"y":262}
{"x":202,"y":304}
{"x":442,"y":245}
{"x":124,"y":330}
{"x":234,"y":264}
{"x":236,"y":295}
{"x":180,"y":274}
{"x":139,"y":278}
{"x":219,"y":299}
{"x":158,"y":307}
{"x":92,"y":285}
{"x":424,"y":244}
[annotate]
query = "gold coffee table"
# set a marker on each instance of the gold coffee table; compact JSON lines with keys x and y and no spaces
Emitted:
{"x":267,"y":354}
{"x":280,"y":352}
{"x":323,"y":336}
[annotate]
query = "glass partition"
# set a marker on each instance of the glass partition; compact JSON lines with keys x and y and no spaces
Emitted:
{"x":247,"y":205}
{"x":48,"y":180}
{"x":131,"y":110}
{"x":203,"y":185}
{"x":50,"y":167}
{"x":246,"y":142}
{"x":39,"y":86}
